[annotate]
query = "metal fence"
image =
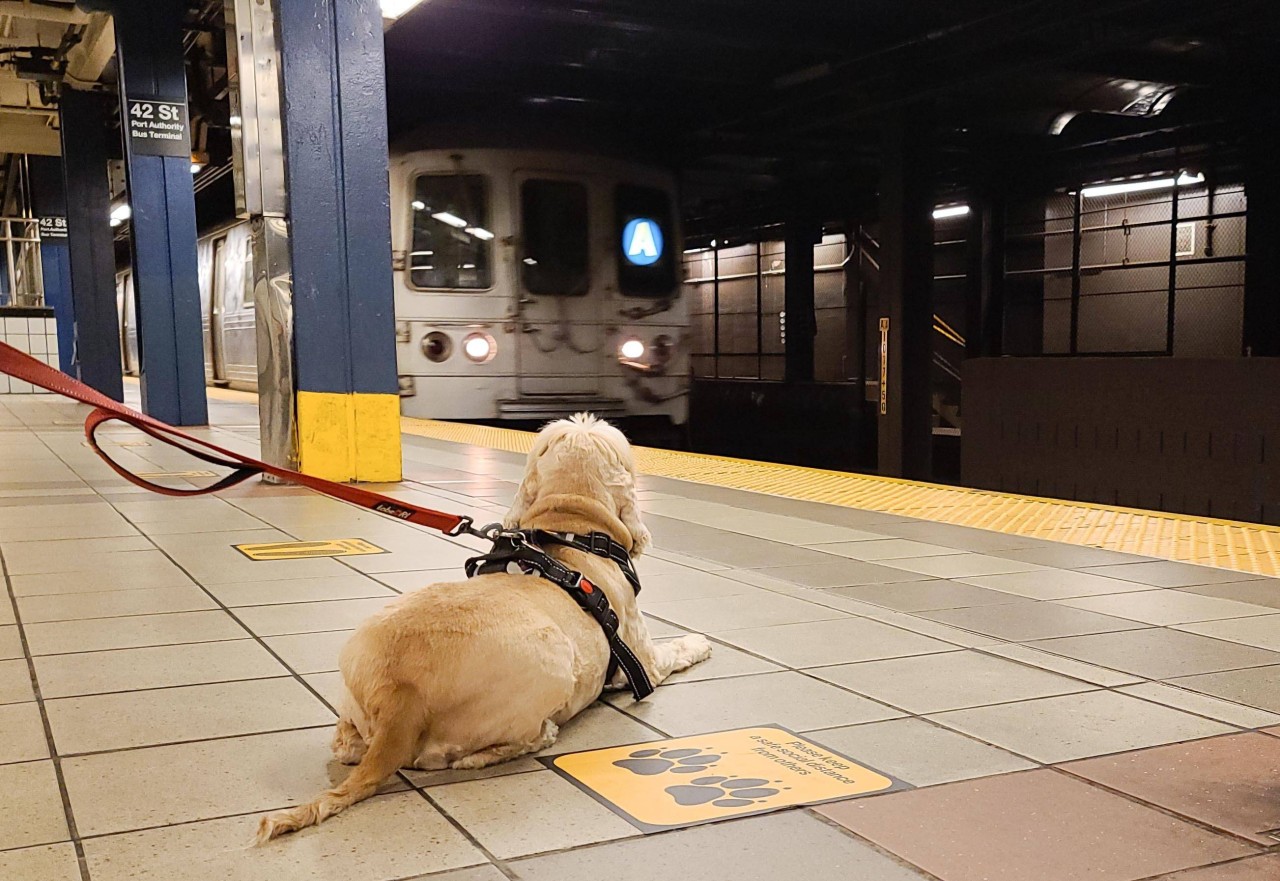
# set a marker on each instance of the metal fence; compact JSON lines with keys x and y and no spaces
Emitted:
{"x":21,"y":275}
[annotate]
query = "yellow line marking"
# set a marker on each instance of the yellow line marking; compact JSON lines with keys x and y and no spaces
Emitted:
{"x":299,"y":550}
{"x":1228,"y":544}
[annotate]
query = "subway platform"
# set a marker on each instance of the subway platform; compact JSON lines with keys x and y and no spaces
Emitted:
{"x":1101,"y":707}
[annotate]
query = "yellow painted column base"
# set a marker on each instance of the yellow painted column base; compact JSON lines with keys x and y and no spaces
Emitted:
{"x":349,"y":437}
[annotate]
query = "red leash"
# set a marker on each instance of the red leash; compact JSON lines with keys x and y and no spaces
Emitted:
{"x":22,"y":366}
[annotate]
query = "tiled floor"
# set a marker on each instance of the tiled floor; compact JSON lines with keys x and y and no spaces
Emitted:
{"x":1063,"y":712}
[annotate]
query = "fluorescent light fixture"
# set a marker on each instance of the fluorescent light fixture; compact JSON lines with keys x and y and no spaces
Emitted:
{"x":467,"y":266}
{"x":116,"y":221}
{"x":1138,"y":186}
{"x":397,"y":8}
{"x":483,"y":234}
{"x":418,"y":204}
{"x":950,"y":211}
{"x":451,"y":219}
{"x":121,"y":213}
{"x":529,"y":261}
{"x":195,"y":167}
{"x":234,"y":119}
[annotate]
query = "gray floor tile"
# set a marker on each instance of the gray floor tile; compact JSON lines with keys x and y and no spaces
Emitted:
{"x":49,"y":862}
{"x":1058,"y":729}
{"x":154,"y":667}
{"x":1262,"y":632}
{"x":1260,"y":592}
{"x":832,"y":642}
{"x":1193,"y":702}
{"x":1157,"y":653}
{"x":113,"y":604}
{"x":960,"y":565}
{"x":149,"y":577}
{"x":1054,"y":584}
{"x":62,"y":637}
{"x":476,"y":873}
{"x":23,"y":728}
{"x":310,"y":652}
{"x":742,"y":850}
{"x":919,"y":752}
{"x":1069,"y":556}
{"x":529,"y":813}
{"x":925,"y":596}
{"x":791,"y":700}
{"x":218,"y":562}
{"x":661,"y":629}
{"x":15,"y":682}
{"x":1058,"y":664}
{"x":10,"y":642}
{"x":97,"y":568}
{"x":1166,"y":607}
{"x":951,"y":681}
{"x":1021,"y":622}
{"x":757,"y":609}
{"x":289,"y":618}
{"x":193,"y":712}
{"x":963,"y":538}
{"x":1255,"y":687}
{"x":141,"y":788}
{"x":725,"y":661}
{"x":1166,"y":573}
{"x":841,"y":573}
{"x":406,"y":582}
{"x":884,"y":549}
{"x":383,"y":839}
{"x":689,"y":585}
{"x":31,"y":811}
{"x":300,"y":590}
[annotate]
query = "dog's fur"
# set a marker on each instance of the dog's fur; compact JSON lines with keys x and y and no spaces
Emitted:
{"x":471,"y":673}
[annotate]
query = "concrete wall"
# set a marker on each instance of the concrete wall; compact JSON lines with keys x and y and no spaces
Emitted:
{"x":1195,"y":436}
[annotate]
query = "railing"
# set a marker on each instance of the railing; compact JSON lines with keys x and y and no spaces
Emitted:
{"x":21,"y":275}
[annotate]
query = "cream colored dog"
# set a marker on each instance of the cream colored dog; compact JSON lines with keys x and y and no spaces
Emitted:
{"x":471,"y":673}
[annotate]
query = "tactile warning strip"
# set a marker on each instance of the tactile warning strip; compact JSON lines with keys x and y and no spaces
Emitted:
{"x":1245,"y":547}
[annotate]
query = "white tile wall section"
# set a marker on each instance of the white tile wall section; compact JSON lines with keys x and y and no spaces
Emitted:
{"x":37,"y":337}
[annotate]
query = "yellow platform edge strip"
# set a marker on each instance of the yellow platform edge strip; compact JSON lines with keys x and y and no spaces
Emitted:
{"x":1228,"y":544}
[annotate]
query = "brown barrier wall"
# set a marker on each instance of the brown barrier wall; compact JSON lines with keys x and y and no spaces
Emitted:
{"x":1194,"y":436}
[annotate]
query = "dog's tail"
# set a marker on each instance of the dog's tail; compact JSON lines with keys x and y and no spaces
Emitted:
{"x":390,"y":747}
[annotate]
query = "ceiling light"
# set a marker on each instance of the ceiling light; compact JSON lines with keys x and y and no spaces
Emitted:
{"x":451,"y":219}
{"x":121,"y":212}
{"x":195,"y":167}
{"x":482,"y":234}
{"x":950,"y":211}
{"x":418,"y":204}
{"x":234,"y":120}
{"x":1138,"y":186}
{"x":396,"y":8}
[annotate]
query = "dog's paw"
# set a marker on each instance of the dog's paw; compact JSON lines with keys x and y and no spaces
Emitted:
{"x":273,"y":826}
{"x":698,"y":648}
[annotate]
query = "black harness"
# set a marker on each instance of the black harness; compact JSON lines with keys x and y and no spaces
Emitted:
{"x":519,"y":551}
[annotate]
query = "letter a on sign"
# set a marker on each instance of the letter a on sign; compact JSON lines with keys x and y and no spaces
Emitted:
{"x":642,"y":242}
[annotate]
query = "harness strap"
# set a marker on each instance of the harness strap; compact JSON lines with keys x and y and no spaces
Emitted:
{"x":22,"y":366}
{"x":601,"y":544}
{"x":514,"y":548}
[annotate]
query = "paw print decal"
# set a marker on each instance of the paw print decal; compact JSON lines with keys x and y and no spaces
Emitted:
{"x":724,"y":792}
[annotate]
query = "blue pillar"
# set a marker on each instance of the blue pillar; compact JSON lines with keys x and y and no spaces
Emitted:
{"x":335,"y":145}
{"x":90,"y":249}
{"x":49,"y":203}
{"x":153,"y":114}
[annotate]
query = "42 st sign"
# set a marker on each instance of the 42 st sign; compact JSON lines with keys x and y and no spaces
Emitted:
{"x":158,"y":127}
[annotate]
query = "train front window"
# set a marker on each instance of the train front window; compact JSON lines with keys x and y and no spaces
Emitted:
{"x":451,"y":232}
{"x":644,"y":241}
{"x":554,"y":222}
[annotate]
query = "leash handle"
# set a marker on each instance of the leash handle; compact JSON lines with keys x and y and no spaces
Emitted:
{"x":22,"y":366}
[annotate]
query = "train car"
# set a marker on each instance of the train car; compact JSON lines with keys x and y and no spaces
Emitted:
{"x":528,"y":285}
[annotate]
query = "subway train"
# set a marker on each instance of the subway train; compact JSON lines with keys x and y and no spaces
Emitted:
{"x":528,"y":285}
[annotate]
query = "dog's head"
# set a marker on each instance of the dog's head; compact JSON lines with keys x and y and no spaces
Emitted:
{"x":583,"y":456}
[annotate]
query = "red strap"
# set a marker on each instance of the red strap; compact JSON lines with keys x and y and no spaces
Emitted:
{"x":22,"y":366}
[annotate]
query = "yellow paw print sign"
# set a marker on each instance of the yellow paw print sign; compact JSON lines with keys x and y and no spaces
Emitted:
{"x":691,"y":780}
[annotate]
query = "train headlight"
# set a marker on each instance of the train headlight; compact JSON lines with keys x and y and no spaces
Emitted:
{"x":631,"y":350}
{"x":437,"y":346}
{"x":479,"y":347}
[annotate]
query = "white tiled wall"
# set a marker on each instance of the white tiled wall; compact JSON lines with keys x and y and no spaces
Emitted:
{"x":37,"y":337}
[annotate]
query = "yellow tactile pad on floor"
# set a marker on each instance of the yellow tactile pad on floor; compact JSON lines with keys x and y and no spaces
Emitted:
{"x":673,"y":783}
{"x":303,"y":550}
{"x":1246,"y":547}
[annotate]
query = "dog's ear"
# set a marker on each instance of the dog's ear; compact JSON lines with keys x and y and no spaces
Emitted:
{"x":629,"y":514}
{"x":528,"y":490}
{"x":621,"y":480}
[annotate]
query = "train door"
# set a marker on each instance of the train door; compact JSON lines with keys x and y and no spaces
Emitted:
{"x":558,"y":313}
{"x":217,"y":309}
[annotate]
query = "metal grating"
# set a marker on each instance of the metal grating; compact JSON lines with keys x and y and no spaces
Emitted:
{"x":1245,"y":547}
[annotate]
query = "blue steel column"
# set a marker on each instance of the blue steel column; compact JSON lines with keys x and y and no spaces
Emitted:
{"x":170,"y":346}
{"x":335,"y":140}
{"x":49,"y":203}
{"x":90,"y":249}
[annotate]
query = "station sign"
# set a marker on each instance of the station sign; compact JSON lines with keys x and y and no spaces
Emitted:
{"x":53,"y":228}
{"x":158,"y":127}
{"x":642,"y":241}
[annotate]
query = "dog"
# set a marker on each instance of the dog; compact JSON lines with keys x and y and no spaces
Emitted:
{"x":470,"y":673}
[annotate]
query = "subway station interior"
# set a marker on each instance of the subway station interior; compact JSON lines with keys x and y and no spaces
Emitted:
{"x":940,"y":540}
